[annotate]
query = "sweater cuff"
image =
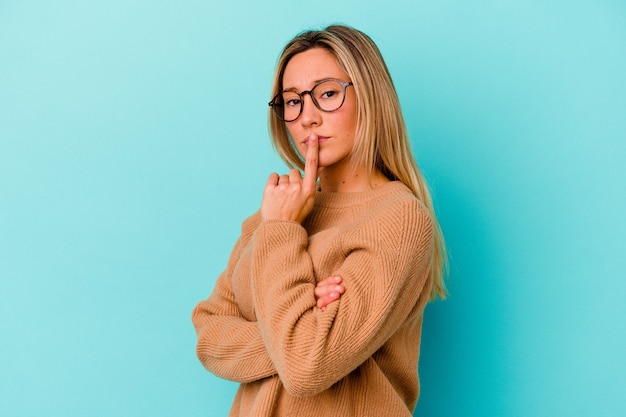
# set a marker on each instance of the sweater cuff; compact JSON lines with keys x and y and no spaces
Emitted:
{"x":285,"y":235}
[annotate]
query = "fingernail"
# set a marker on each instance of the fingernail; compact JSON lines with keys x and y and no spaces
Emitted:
{"x":333,"y":294}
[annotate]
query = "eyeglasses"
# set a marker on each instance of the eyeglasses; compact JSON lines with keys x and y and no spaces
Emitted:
{"x":327,"y":95}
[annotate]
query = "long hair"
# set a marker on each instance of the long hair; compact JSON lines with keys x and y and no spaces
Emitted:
{"x":382,"y":140}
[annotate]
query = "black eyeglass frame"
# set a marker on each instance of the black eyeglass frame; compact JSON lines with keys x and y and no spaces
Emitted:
{"x":273,"y":104}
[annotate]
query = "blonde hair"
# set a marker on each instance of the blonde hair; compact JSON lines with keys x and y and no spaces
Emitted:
{"x":383,"y":141}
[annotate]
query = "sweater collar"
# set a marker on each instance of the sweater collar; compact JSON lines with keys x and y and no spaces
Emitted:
{"x":338,"y":200}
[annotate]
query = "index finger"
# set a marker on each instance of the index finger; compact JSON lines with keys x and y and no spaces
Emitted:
{"x":310,"y":166}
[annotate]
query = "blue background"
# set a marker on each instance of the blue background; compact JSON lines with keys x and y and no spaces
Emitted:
{"x":133,"y":141}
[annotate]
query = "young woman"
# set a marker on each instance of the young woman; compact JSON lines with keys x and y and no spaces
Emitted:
{"x":319,"y":311}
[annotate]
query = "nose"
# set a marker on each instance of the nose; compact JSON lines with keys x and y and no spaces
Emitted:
{"x":311,"y":115}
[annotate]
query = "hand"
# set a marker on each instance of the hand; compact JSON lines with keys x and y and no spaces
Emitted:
{"x":328,"y":290}
{"x":290,"y":197}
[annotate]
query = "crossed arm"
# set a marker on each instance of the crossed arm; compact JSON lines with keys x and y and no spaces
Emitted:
{"x":309,"y":348}
{"x":284,"y":333}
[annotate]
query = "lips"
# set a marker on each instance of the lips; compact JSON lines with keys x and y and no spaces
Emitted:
{"x":320,"y":139}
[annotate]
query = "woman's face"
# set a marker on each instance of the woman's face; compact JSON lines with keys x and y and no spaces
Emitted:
{"x":335,"y":130}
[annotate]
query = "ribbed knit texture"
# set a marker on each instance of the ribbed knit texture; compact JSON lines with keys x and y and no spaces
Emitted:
{"x":261,"y":326}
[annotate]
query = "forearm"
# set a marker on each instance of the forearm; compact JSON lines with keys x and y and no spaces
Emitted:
{"x":229,"y":346}
{"x":229,"y":343}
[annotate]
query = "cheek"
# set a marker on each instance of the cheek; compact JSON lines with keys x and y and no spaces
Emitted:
{"x":293,"y":132}
{"x":346,"y":126}
{"x":346,"y":121}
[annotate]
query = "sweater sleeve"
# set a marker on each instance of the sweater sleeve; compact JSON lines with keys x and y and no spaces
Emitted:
{"x":229,"y":345}
{"x":385,"y":275}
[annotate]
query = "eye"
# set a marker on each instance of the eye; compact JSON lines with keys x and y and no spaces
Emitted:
{"x":291,"y":99}
{"x":292,"y":102}
{"x":328,"y":93}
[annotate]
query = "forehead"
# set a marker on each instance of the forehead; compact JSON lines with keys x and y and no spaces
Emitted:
{"x":306,"y":68}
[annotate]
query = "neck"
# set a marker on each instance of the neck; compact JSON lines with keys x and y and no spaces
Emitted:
{"x":346,"y":179}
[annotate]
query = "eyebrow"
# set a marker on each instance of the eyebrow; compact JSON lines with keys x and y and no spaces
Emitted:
{"x":294,"y":89}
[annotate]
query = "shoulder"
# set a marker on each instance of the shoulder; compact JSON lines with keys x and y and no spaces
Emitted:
{"x":399,"y":206}
{"x":405,"y":218}
{"x":396,"y":217}
{"x":403,"y":230}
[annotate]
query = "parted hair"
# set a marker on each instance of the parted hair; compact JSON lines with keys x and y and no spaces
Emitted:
{"x":381,"y":137}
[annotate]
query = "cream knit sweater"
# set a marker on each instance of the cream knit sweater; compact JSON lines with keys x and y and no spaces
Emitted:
{"x":261,"y":326}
